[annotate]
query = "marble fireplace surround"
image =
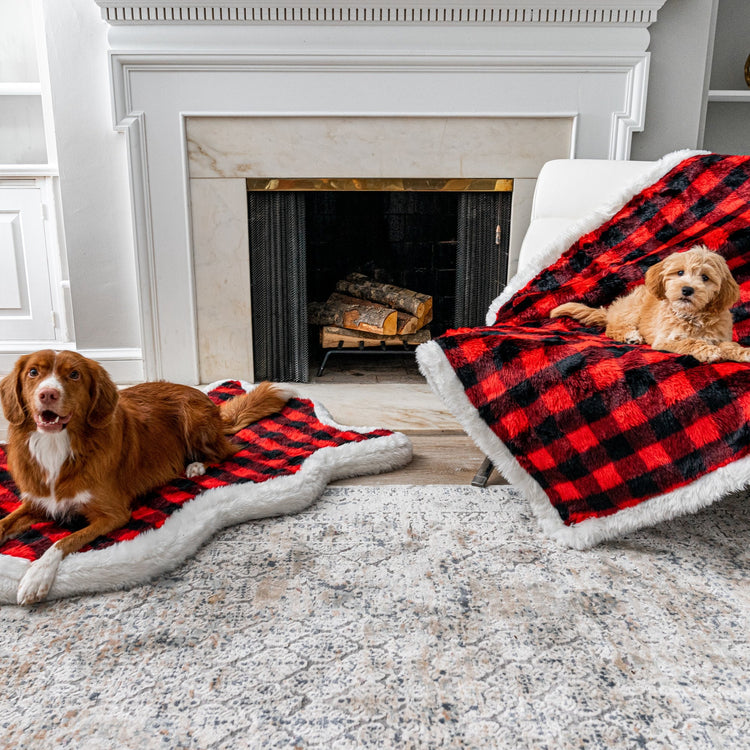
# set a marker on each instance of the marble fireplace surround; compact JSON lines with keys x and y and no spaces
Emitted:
{"x":219,"y":160}
{"x":210,"y":94}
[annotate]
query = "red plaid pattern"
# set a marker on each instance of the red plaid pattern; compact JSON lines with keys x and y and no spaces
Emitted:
{"x":602,"y":425}
{"x":272,"y":447}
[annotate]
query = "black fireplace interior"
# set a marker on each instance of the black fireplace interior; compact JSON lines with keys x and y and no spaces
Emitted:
{"x":405,"y":238}
{"x":450,"y":245}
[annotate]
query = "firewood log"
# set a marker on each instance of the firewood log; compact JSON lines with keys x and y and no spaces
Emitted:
{"x":331,"y":335}
{"x":359,"y":285}
{"x":354,"y":313}
{"x":409,"y":324}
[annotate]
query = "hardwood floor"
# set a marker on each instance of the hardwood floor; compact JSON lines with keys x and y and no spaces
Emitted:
{"x":443,"y":453}
{"x":438,"y":459}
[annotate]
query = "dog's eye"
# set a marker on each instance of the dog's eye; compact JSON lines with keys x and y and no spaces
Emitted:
{"x":74,"y":375}
{"x":680,"y":273}
{"x":33,"y":372}
{"x":705,"y":278}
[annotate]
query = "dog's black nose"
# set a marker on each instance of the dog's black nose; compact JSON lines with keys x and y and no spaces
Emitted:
{"x":687,"y":291}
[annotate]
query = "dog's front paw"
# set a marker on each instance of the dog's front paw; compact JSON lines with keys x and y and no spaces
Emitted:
{"x":709,"y":353}
{"x":38,"y":579}
{"x":733,"y":351}
{"x":634,"y":337}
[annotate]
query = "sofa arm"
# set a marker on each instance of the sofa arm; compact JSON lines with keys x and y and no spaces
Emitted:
{"x":568,"y":190}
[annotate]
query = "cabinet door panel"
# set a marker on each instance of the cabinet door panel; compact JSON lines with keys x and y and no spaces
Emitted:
{"x":25,"y":297}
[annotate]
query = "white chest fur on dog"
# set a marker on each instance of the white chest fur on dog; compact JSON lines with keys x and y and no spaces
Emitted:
{"x":51,"y":450}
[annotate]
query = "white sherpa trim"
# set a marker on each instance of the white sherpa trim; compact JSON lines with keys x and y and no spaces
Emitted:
{"x":443,"y":380}
{"x":160,"y":550}
{"x":548,"y":255}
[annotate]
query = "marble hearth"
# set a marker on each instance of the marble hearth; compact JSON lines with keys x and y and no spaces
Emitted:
{"x":208,"y":95}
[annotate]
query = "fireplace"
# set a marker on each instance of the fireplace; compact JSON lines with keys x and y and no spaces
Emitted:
{"x":209,"y":95}
{"x":445,"y":239}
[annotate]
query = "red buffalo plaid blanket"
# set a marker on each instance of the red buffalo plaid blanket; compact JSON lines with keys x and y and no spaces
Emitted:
{"x":606,"y":437}
{"x":284,"y":463}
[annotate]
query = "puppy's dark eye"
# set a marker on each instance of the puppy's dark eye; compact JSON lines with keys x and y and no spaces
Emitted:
{"x":705,"y":278}
{"x":33,"y":372}
{"x":74,"y":375}
{"x":680,"y":273}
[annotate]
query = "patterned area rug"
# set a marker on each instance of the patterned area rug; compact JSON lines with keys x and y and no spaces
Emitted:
{"x":410,"y":617}
{"x":284,"y":463}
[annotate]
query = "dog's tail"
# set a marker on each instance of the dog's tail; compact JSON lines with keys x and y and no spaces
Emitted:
{"x":263,"y":400}
{"x":590,"y":316}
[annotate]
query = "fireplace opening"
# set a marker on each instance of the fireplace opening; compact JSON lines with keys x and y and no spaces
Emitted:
{"x":430,"y":239}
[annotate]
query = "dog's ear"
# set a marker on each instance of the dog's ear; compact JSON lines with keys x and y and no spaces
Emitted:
{"x":11,"y":394}
{"x":729,"y":291}
{"x":104,"y":396}
{"x":655,"y":280}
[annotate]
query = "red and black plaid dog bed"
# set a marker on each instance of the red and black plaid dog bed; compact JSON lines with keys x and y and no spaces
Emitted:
{"x":285,"y":462}
{"x":607,"y":437}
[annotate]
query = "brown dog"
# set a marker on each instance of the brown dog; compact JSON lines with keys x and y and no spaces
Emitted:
{"x":683,"y":307}
{"x":79,"y":447}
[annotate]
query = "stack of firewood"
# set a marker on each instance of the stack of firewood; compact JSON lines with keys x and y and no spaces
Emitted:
{"x":367,"y":311}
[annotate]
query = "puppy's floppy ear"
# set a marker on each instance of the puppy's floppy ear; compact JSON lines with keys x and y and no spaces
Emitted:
{"x":729,"y":291}
{"x":103,"y":394}
{"x":655,"y":280}
{"x":11,"y":394}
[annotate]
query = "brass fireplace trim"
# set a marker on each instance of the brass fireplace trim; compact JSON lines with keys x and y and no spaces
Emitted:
{"x":355,"y":184}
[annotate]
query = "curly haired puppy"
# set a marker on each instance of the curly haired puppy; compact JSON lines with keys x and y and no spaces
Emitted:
{"x":683,"y":307}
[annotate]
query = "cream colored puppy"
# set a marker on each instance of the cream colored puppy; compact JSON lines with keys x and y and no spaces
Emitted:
{"x":683,"y":307}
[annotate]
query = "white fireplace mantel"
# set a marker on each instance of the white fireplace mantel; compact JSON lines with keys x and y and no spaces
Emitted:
{"x":642,"y":13}
{"x":582,"y":62}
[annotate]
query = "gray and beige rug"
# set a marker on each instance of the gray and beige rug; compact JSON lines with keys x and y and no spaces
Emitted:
{"x":400,"y":617}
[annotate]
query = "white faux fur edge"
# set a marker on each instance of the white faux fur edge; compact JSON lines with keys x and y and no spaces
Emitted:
{"x":157,"y":551}
{"x":444,"y":382}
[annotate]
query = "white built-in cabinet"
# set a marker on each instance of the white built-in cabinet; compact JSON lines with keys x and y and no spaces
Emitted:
{"x":33,"y":286}
{"x":727,"y":126}
{"x":27,"y":312}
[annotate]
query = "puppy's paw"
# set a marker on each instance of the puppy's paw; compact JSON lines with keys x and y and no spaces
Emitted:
{"x":634,"y":337}
{"x":733,"y":351}
{"x":196,"y":469}
{"x":709,"y":353}
{"x":40,"y":576}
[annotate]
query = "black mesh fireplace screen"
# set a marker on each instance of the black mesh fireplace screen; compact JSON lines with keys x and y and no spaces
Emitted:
{"x":278,"y":286}
{"x":481,"y":254}
{"x":278,"y":272}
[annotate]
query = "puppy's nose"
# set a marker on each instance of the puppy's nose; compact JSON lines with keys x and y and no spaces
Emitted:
{"x":687,"y":291}
{"x":48,"y":396}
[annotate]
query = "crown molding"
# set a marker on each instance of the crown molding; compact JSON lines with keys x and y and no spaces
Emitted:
{"x":421,"y":12}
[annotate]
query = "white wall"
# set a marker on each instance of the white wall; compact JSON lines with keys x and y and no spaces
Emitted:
{"x":94,"y":182}
{"x":728,"y":123}
{"x":681,"y":45}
